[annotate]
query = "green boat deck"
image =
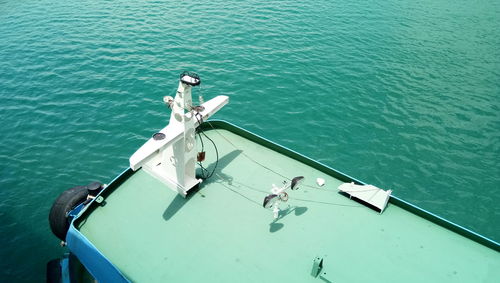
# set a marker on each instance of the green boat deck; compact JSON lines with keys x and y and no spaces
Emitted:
{"x":221,"y":232}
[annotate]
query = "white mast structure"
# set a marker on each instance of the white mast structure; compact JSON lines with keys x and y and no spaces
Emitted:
{"x":170,"y":155}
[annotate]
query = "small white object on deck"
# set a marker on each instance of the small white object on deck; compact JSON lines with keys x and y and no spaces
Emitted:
{"x":367,"y":193}
{"x":320,"y":182}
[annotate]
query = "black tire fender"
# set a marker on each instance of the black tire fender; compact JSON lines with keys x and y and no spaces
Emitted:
{"x":67,"y":200}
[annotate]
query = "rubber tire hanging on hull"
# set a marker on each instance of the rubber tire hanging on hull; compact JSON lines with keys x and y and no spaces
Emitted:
{"x":67,"y":200}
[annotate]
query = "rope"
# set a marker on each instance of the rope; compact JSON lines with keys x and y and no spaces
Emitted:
{"x":247,"y":156}
{"x":267,"y":168}
{"x":240,"y":194}
{"x":264,"y":193}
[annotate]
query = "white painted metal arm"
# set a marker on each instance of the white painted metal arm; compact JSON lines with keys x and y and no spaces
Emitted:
{"x":152,"y":147}
{"x":212,"y":106}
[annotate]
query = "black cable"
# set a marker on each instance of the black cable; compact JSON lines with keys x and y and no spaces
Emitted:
{"x":204,"y":171}
{"x":205,"y":174}
{"x":216,"y":155}
{"x":201,"y":140}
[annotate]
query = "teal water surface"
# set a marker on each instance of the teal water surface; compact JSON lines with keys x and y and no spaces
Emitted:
{"x":400,"y":94}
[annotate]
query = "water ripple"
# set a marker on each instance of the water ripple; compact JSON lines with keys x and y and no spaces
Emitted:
{"x":401,"y":94}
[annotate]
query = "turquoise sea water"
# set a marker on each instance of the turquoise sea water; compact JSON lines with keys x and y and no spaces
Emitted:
{"x":400,"y":94}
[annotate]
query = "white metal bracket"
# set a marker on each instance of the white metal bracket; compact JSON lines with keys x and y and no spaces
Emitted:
{"x":170,"y":155}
